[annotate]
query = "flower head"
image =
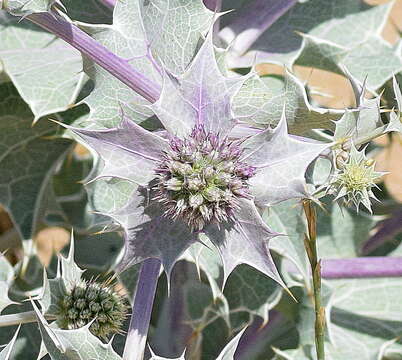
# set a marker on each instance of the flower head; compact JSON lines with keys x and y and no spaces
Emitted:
{"x":201,"y":178}
{"x":91,"y":301}
{"x":355,"y":178}
{"x":205,"y":179}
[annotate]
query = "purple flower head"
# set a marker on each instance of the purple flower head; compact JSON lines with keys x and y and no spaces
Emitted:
{"x":201,"y":178}
{"x":204,"y":179}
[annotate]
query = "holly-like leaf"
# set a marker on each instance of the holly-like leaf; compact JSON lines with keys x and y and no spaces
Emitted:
{"x":149,"y":234}
{"x":363,"y":122}
{"x":126,"y":148}
{"x":244,"y":242}
{"x":68,"y":275}
{"x":201,"y":96}
{"x":251,"y":292}
{"x":287,"y":218}
{"x":311,"y":34}
{"x":6,"y":352}
{"x":135,"y":37}
{"x":125,"y":38}
{"x":365,"y":314}
{"x":174,"y":29}
{"x":28,"y":158}
{"x":281,"y":163}
{"x":395,"y":123}
{"x":260,"y":103}
{"x":73,"y":344}
{"x":46,"y":71}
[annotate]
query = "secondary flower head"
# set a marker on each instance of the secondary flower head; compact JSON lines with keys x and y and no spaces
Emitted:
{"x":89,"y":301}
{"x":355,"y":178}
{"x":201,"y":178}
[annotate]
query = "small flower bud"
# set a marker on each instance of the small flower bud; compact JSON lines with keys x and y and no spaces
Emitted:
{"x":92,"y":302}
{"x":194,"y":184}
{"x":209,"y":172}
{"x":107,"y":304}
{"x":174,"y":184}
{"x":80,"y":303}
{"x":91,"y":294}
{"x":79,"y":292}
{"x":94,"y":306}
{"x":212,"y":194}
{"x":86,"y":313}
{"x":72,"y":313}
{"x":195,"y":200}
{"x":102,"y":317}
{"x":223,"y":178}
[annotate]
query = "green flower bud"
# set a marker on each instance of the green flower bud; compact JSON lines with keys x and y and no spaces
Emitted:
{"x":90,"y":301}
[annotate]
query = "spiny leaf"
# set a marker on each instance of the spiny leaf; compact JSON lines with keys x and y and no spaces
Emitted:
{"x":150,"y":234}
{"x":348,"y":33}
{"x":68,"y":274}
{"x":245,"y":242}
{"x":126,"y":148}
{"x":28,"y":158}
{"x":360,"y":123}
{"x":46,"y":71}
{"x":395,"y":123}
{"x":135,"y":37}
{"x":260,"y":103}
{"x":201,"y":96}
{"x":287,"y":218}
{"x":73,"y":344}
{"x":228,"y":352}
{"x":281,"y":163}
{"x":173,"y":30}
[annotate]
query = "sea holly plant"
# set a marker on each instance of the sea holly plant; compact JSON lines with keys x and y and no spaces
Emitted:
{"x":228,"y":208}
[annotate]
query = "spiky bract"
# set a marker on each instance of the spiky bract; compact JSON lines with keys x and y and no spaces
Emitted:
{"x":91,"y":301}
{"x":201,"y":177}
{"x":355,"y":179}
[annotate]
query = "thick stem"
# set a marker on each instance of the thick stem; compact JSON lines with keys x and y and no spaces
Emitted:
{"x":142,"y":309}
{"x":115,"y":65}
{"x":252,"y":21}
{"x":363,"y":267}
{"x":310,"y":243}
{"x":21,"y":318}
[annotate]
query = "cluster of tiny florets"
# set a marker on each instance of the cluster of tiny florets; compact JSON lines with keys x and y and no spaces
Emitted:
{"x":91,"y":301}
{"x":201,"y":177}
{"x":355,"y":179}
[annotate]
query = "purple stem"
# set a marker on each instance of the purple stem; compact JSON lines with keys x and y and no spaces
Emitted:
{"x":386,"y":231}
{"x":253,"y":20}
{"x":115,"y":65}
{"x":362,"y":267}
{"x":142,"y":309}
{"x":109,"y":3}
